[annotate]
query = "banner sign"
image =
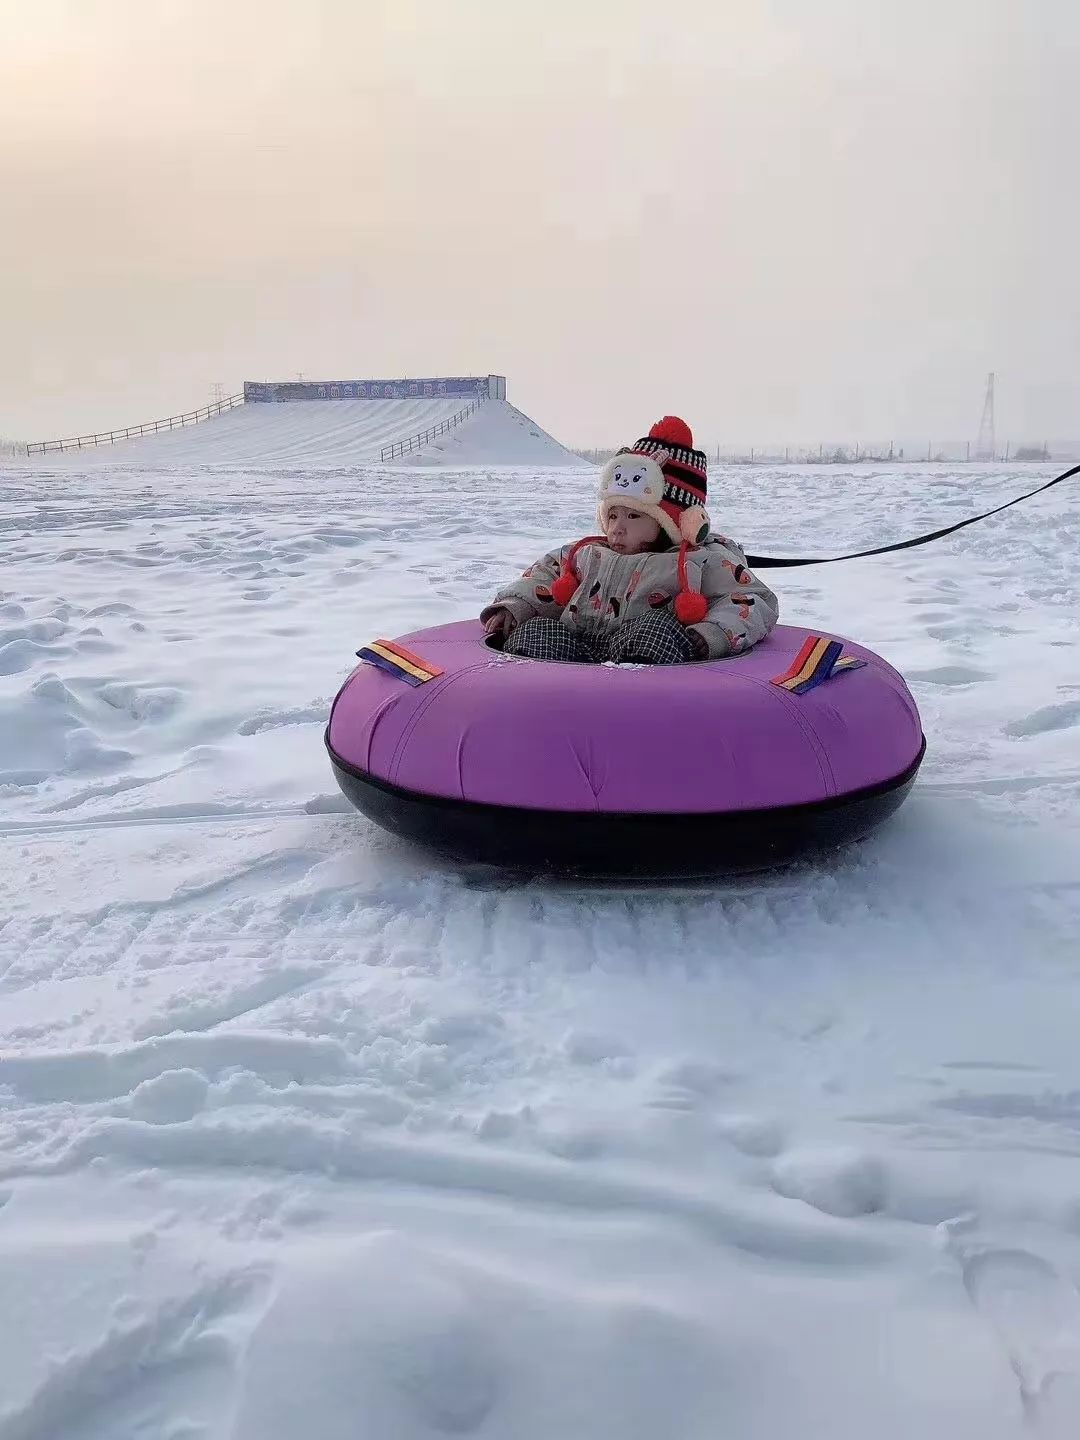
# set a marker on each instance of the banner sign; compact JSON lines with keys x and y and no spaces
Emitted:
{"x":468,"y":386}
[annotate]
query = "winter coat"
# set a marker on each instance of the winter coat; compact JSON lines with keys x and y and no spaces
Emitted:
{"x":615,"y":588}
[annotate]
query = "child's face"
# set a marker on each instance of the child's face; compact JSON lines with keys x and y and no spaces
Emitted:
{"x":628,"y":531}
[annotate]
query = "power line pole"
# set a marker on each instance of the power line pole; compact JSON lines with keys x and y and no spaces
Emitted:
{"x":985,"y":447}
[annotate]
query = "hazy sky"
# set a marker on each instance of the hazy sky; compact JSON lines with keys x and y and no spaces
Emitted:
{"x":784,"y":219}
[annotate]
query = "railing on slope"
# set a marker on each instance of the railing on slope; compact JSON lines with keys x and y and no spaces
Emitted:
{"x":131,"y":432}
{"x":415,"y":442}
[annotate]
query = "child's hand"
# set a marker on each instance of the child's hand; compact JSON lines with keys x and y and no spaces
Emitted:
{"x":501,"y":623}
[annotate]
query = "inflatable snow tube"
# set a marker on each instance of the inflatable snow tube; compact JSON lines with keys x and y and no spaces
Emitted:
{"x":625,"y":771}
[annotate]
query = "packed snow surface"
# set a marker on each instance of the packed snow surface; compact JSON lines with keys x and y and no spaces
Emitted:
{"x":302,"y":1134}
{"x":336,"y":432}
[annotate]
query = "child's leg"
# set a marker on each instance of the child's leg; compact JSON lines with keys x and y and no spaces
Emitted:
{"x":544,"y":638}
{"x":656,"y":639}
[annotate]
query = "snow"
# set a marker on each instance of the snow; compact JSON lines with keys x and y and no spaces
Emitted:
{"x":303,"y":1132}
{"x":498,"y":434}
{"x":335,"y":432}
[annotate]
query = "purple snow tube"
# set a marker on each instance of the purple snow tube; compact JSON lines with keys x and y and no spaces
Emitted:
{"x":624,"y":770}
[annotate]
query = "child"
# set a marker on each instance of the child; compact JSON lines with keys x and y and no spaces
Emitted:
{"x":655,"y":588}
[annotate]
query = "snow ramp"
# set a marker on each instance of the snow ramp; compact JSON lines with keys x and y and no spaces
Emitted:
{"x":341,"y":432}
{"x":497,"y":434}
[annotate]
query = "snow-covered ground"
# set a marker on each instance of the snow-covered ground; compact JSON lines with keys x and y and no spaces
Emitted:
{"x":304,"y":1135}
{"x":333,"y":432}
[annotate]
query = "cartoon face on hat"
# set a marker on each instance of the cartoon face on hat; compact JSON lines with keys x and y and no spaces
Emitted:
{"x":632,"y":480}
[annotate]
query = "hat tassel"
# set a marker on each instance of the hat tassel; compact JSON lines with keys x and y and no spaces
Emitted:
{"x":691,"y":607}
{"x":563,"y":588}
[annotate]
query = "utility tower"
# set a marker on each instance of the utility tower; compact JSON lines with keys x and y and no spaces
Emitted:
{"x":985,"y":448}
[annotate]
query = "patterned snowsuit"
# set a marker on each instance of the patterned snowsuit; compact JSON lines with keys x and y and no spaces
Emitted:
{"x":615,"y":589}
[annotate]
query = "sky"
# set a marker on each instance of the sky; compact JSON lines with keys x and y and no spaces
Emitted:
{"x":785,"y":220}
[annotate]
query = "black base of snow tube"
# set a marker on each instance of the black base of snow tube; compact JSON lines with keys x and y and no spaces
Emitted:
{"x":599,"y":845}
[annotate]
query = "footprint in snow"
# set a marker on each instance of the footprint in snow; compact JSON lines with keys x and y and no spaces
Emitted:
{"x":1036,"y":1313}
{"x":950,"y":675}
{"x":843,"y":1182}
{"x":314,"y":713}
{"x":1062,"y":716}
{"x":753,"y":1135}
{"x":19,"y":655}
{"x":585,"y":1048}
{"x":954,"y":630}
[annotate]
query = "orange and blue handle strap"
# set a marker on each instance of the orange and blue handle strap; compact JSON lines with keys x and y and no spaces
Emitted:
{"x":818,"y":660}
{"x":396,"y":660}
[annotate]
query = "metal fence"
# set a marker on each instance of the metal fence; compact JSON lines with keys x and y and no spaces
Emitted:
{"x":950,"y":452}
{"x":416,"y":442}
{"x":933,"y":452}
{"x":131,"y":432}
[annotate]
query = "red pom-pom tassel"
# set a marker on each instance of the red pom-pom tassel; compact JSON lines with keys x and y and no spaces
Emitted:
{"x":691,"y":607}
{"x":562,"y":589}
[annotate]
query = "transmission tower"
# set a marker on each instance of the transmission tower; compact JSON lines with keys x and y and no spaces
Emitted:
{"x":985,"y":448}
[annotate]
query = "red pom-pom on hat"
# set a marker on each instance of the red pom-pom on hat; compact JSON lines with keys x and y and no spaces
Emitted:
{"x":673,"y":431}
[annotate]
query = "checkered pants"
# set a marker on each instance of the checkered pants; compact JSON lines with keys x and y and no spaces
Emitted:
{"x":648,"y":640}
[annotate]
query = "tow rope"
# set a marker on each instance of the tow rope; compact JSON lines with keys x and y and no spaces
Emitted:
{"x":779,"y":562}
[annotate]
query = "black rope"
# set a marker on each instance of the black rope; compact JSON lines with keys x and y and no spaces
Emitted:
{"x":777,"y":562}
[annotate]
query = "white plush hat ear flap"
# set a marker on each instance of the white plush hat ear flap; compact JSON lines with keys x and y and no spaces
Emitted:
{"x":694,"y":525}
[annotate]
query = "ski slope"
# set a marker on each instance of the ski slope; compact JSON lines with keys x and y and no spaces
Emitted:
{"x":304,"y":1134}
{"x":334,"y":432}
{"x":498,"y":434}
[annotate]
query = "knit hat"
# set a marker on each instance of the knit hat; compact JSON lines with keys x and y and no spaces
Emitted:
{"x":662,"y":475}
